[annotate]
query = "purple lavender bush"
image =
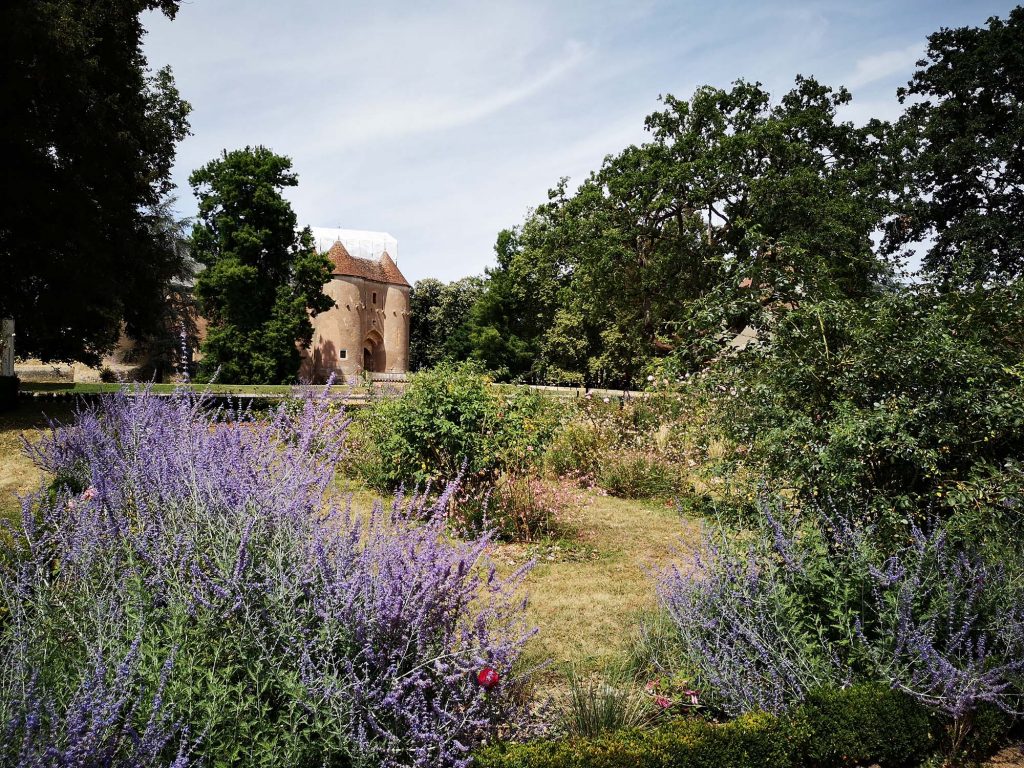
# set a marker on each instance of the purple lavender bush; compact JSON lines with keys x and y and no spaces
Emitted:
{"x":271,"y":624}
{"x":749,"y":620}
{"x":949,"y":630}
{"x":765,"y":616}
{"x":108,"y":720}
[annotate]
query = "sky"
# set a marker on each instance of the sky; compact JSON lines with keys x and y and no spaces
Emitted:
{"x":443,"y":122}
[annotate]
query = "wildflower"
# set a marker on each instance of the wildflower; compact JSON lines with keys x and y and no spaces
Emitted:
{"x":691,"y":695}
{"x":607,"y":399}
{"x":651,"y":686}
{"x":487,"y":678}
{"x":89,"y":493}
{"x":663,"y":701}
{"x":650,"y":378}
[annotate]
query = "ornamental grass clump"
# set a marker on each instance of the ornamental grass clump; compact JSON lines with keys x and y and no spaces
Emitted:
{"x":190,"y":565}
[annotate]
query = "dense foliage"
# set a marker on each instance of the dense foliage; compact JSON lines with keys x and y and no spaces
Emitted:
{"x":438,"y":320}
{"x":963,"y":130}
{"x":734,"y":204}
{"x":862,"y":725}
{"x":188,"y":591}
{"x":88,"y":139}
{"x":907,"y":405}
{"x":447,"y":423}
{"x":263,"y":278}
{"x":765,"y":617}
{"x":742,"y":204}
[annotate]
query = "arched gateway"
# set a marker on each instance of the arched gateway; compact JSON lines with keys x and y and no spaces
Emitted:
{"x":374,"y":354}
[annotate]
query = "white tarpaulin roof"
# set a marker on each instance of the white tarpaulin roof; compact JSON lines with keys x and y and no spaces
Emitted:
{"x":361,"y":243}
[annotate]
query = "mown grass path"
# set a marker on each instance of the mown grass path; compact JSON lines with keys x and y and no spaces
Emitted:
{"x":588,"y":591}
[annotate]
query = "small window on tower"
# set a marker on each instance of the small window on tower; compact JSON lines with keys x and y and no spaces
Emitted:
{"x":343,"y":354}
{"x":374,"y":297}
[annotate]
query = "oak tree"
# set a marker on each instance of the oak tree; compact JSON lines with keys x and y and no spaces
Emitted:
{"x":965,"y":155}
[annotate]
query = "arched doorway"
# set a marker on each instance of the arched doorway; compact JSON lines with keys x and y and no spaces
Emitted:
{"x":374,"y":359}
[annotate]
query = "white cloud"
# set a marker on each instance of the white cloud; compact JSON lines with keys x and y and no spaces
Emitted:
{"x":344,"y":124}
{"x":881,"y":66}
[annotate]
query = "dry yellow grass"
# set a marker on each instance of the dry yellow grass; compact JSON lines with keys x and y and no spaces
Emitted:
{"x":18,"y":474}
{"x":586,"y":596}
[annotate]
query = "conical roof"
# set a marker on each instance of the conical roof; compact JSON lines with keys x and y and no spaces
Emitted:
{"x":391,"y":270}
{"x":383,"y":271}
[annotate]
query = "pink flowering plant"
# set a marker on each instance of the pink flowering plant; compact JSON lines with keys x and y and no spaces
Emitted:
{"x":672,"y":694}
{"x":188,"y":591}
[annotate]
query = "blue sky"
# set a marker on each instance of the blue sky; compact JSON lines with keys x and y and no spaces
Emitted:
{"x":444,"y":122}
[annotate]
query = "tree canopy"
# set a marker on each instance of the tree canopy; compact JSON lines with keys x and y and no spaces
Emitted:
{"x":438,"y":320}
{"x":733,"y":205}
{"x":88,"y":139}
{"x":262,"y":276}
{"x":964,"y":130}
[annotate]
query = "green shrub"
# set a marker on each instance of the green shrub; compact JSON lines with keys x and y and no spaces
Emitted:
{"x":903,"y":405}
{"x":448,"y":420}
{"x":638,"y":475}
{"x":443,"y":421}
{"x":861,"y":725}
{"x":575,"y":451}
{"x":753,"y":740}
{"x":865,"y":724}
{"x":526,"y":422}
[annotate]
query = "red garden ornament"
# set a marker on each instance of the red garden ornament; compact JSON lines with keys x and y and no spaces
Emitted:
{"x":487,"y":678}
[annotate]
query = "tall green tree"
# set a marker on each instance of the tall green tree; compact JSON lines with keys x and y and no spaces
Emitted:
{"x":262,"y":278}
{"x":438,"y":324}
{"x":507,"y":324}
{"x":735,"y":206}
{"x":88,"y":139}
{"x":965,"y":148}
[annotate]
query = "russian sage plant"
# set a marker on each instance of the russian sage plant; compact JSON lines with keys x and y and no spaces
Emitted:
{"x":265,"y":622}
{"x":949,"y":630}
{"x":748,"y":625}
{"x":765,"y":615}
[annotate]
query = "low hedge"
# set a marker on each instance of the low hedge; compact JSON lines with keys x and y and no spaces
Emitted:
{"x":8,"y":392}
{"x":861,"y":725}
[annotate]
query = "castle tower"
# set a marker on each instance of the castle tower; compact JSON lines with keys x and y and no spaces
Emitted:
{"x":368,"y":328}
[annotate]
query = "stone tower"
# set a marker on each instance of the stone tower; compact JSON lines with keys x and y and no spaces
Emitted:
{"x":368,"y":328}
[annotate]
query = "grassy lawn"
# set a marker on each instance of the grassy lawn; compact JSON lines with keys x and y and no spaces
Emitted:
{"x":587,"y":593}
{"x":586,"y":590}
{"x":17,"y":473}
